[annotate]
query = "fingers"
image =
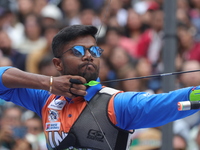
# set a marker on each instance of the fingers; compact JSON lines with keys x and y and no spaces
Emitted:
{"x":78,"y":86}
{"x":69,"y":86}
{"x":77,"y":80}
{"x":77,"y":89}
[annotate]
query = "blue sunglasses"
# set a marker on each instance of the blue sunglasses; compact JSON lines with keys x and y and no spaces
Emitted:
{"x":79,"y":51}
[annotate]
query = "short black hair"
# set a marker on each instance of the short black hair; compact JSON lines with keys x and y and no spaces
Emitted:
{"x":70,"y":33}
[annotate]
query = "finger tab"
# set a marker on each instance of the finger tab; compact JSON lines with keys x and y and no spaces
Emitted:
{"x":76,"y":81}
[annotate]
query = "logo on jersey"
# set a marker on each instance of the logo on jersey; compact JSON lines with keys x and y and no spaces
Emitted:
{"x":55,"y":138}
{"x":57,"y":104}
{"x":53,"y":115}
{"x":95,"y":135}
{"x":53,"y":126}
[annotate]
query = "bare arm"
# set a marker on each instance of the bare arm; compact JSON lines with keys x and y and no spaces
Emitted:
{"x":15,"y":78}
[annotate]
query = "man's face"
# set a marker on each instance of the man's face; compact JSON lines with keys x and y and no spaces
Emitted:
{"x":85,"y":66}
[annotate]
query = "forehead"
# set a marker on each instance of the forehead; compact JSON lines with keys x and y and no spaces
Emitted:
{"x":86,"y":41}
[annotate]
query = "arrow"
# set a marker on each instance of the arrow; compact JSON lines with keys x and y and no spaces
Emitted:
{"x":93,"y":83}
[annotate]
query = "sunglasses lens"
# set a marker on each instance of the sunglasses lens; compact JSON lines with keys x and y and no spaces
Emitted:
{"x":78,"y":51}
{"x":96,"y":51}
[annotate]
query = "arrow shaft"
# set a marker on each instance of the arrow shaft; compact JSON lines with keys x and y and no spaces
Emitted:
{"x":150,"y":76}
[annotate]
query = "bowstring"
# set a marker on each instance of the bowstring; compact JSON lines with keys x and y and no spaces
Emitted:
{"x":103,"y":19}
{"x":101,"y":130}
{"x":99,"y":30}
{"x":97,"y":36}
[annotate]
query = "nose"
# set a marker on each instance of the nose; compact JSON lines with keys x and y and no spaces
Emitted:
{"x":87,"y":56}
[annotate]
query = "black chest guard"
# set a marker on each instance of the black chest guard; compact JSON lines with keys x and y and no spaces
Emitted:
{"x":93,"y":129}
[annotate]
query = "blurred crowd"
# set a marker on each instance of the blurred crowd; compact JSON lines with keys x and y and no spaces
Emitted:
{"x":131,"y":34}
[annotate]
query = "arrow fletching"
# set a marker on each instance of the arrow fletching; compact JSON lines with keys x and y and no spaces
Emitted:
{"x":92,"y":83}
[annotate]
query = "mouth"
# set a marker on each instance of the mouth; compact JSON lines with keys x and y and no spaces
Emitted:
{"x":89,"y":71}
{"x":88,"y":66}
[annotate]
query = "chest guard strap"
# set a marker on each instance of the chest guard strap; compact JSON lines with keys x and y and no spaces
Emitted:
{"x":86,"y":133}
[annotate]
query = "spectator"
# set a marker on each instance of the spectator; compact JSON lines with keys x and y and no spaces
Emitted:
{"x":46,"y":67}
{"x":144,"y":68}
{"x":112,"y":22}
{"x":150,"y":44}
{"x":183,"y":17}
{"x":92,"y":4}
{"x":13,"y":27}
{"x":179,"y":142}
{"x":130,"y":85}
{"x":149,"y":139}
{"x":119,"y":61}
{"x":89,"y":17}
{"x":117,"y":11}
{"x":133,"y":33}
{"x":11,"y":127}
{"x":18,"y":59}
{"x":2,"y":16}
{"x":181,"y":131}
{"x":34,"y":39}
{"x":50,"y":15}
{"x":126,"y":4}
{"x":35,"y":134}
{"x":113,"y":36}
{"x":25,"y":7}
{"x":35,"y":56}
{"x":189,"y":79}
{"x":194,"y":14}
{"x":195,"y":138}
{"x":184,"y":5}
{"x":189,"y":49}
{"x":38,"y":6}
{"x":185,"y":80}
{"x":22,"y":144}
{"x":5,"y":61}
{"x":71,"y":11}
{"x":105,"y":72}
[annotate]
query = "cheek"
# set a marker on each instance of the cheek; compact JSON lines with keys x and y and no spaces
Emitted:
{"x":98,"y":63}
{"x":70,"y":67}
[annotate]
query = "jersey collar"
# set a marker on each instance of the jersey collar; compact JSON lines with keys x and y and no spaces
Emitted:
{"x":92,"y":90}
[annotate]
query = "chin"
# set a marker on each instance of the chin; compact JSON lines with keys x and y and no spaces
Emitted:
{"x":89,"y":76}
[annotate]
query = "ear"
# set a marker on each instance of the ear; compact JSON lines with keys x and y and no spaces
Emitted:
{"x":58,"y":64}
